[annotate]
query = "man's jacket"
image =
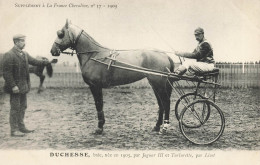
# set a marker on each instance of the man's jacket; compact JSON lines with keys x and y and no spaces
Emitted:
{"x":16,"y":70}
{"x":202,"y":53}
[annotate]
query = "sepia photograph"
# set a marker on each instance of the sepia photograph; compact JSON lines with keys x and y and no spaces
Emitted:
{"x":138,"y":81}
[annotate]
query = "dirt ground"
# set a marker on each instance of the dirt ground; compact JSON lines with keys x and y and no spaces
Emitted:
{"x":65,"y":118}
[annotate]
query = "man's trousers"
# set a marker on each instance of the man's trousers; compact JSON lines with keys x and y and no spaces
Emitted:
{"x":18,"y":104}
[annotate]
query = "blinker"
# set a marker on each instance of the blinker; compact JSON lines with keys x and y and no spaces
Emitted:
{"x":60,"y":34}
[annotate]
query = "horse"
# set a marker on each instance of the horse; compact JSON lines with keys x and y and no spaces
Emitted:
{"x":37,"y":70}
{"x":99,"y":76}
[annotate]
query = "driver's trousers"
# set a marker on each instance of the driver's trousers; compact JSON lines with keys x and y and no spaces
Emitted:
{"x":198,"y":67}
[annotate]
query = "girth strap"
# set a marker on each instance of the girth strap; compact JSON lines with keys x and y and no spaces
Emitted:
{"x":113,"y":54}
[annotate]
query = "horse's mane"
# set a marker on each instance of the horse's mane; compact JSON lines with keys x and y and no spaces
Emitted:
{"x":88,"y":36}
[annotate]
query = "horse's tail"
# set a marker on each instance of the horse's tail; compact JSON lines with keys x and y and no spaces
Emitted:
{"x":171,"y":63}
{"x":49,"y":70}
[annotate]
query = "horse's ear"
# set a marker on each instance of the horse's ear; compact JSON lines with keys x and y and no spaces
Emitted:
{"x":67,"y":24}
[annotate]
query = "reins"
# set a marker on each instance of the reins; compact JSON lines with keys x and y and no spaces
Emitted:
{"x":82,"y":32}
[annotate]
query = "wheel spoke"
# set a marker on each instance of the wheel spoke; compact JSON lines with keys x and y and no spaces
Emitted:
{"x":184,"y":101}
{"x":202,"y":122}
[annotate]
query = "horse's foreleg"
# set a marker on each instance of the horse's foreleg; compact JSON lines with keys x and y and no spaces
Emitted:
{"x":98,"y":97}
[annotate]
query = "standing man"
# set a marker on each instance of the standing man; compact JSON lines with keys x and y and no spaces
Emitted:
{"x":17,"y":83}
{"x":203,"y":55}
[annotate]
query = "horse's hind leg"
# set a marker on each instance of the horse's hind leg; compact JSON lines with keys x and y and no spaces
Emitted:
{"x":40,"y":89}
{"x":160,"y":112}
{"x":162,"y":92}
{"x":98,"y":98}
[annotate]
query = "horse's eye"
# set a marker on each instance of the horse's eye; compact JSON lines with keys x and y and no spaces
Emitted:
{"x":60,"y":34}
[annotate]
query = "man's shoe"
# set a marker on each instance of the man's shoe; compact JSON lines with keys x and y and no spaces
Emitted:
{"x":17,"y":134}
{"x":24,"y":130}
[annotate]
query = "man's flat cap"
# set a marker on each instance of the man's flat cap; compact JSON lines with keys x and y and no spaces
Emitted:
{"x":18,"y":37}
{"x":199,"y":31}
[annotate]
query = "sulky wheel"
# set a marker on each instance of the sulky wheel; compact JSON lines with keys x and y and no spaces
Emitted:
{"x":185,"y":100}
{"x":199,"y":128}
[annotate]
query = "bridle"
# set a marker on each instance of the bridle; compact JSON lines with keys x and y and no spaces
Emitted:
{"x":73,"y":45}
{"x":75,"y":42}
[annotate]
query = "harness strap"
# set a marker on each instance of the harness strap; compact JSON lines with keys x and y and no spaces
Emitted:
{"x":77,"y":39}
{"x":74,"y":43}
{"x":113,"y":54}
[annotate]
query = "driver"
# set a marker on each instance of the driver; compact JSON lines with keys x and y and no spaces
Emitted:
{"x":203,"y":54}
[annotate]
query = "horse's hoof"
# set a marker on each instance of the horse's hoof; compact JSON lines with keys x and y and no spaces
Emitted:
{"x":156,"y":129}
{"x":164,"y":129}
{"x":40,"y":90}
{"x":99,"y":131}
{"x":163,"y":132}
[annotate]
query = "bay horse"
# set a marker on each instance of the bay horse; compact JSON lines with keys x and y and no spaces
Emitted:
{"x":38,"y":71}
{"x":98,"y":75}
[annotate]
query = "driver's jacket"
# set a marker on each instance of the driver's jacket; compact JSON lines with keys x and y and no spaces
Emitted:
{"x":203,"y":52}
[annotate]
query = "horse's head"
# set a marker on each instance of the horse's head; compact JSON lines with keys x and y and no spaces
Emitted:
{"x":66,"y":38}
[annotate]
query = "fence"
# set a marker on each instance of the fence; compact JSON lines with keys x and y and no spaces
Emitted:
{"x":241,"y":75}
